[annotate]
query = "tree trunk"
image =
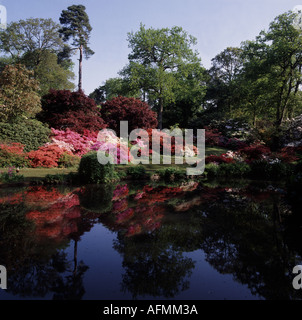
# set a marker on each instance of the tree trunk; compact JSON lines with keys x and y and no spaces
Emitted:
{"x":80,"y":67}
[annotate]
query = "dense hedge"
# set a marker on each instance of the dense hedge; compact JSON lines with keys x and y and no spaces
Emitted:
{"x":29,"y":132}
{"x":91,"y":171}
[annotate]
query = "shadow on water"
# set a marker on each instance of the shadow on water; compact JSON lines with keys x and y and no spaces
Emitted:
{"x":157,"y":238}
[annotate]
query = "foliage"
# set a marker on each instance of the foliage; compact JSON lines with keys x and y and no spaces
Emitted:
{"x":107,"y":142}
{"x":222,"y":85}
{"x":172,"y":174}
{"x":11,"y":176}
{"x":36,"y":43}
{"x":237,"y":169}
{"x":13,"y":155}
{"x":136,"y":172}
{"x":51,"y":74}
{"x":272,"y":71}
{"x":63,"y":109}
{"x":76,"y":27}
{"x":113,"y":88}
{"x":224,"y":158}
{"x":137,"y":113}
{"x":212,"y":137}
{"x":25,"y":36}
{"x":74,"y":142}
{"x":261,"y":169}
{"x":18,"y":93}
{"x":92,"y":171}
{"x":47,"y":156}
{"x":30,"y":132}
{"x":156,"y":55}
{"x":255,"y":152}
{"x":68,"y":160}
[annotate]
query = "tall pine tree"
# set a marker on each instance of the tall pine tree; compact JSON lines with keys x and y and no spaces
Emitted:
{"x":76,"y":28}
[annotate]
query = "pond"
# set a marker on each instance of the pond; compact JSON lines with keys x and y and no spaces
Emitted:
{"x":193,"y":241}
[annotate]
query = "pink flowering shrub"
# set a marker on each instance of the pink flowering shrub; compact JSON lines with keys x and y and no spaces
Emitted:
{"x":107,"y":142}
{"x":77,"y":144}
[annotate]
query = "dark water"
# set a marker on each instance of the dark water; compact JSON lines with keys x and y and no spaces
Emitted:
{"x":130,"y":241}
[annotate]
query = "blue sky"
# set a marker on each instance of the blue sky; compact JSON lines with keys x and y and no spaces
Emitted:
{"x":216,"y":24}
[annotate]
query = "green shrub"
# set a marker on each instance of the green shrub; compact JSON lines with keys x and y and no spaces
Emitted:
{"x":12,"y":155}
{"x":91,"y":171}
{"x":237,"y":169}
{"x":211,"y":170}
{"x":11,"y":176}
{"x":136,"y":172}
{"x":262,"y":169}
{"x":68,"y":161}
{"x":172,"y":174}
{"x":29,"y":132}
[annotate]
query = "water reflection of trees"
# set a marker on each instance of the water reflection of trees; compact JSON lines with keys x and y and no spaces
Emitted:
{"x":252,"y":235}
{"x":242,"y":233}
{"x":36,"y":227}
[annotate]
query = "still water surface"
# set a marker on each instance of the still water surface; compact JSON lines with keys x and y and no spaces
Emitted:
{"x":132,"y":241}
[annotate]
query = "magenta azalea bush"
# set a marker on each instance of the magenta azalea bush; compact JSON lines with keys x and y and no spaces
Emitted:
{"x":78,"y":144}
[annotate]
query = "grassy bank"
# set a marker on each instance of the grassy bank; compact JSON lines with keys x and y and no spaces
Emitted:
{"x":39,"y":174}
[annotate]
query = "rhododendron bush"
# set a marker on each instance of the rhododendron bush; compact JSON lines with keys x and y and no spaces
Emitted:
{"x":63,"y":109}
{"x":76,"y":143}
{"x":12,"y":155}
{"x":47,"y":156}
{"x":110,"y":143}
{"x":138,"y":114}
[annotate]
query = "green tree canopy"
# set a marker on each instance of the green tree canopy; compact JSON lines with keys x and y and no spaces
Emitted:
{"x":18,"y":93}
{"x":157,"y":54}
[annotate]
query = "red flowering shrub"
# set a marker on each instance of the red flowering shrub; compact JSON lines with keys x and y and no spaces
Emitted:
{"x":234,"y":144}
{"x":137,"y":113}
{"x":12,"y":155}
{"x":289,"y":154}
{"x":47,"y":156}
{"x":219,"y":159}
{"x":255,"y":152}
{"x":212,"y":136}
{"x":63,"y":109}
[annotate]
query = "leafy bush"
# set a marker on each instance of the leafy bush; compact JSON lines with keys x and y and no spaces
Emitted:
{"x":234,"y":144}
{"x":231,"y":128}
{"x":172,"y":174}
{"x":47,"y":156}
{"x":219,"y":159}
{"x":270,"y":170}
{"x":74,"y":142}
{"x":68,"y":160}
{"x":13,"y":155}
{"x":137,"y":113}
{"x":211,"y":170}
{"x":31,"y":133}
{"x":237,"y":169}
{"x":137,"y":172}
{"x":255,"y":152}
{"x":63,"y":109}
{"x":212,"y":137}
{"x":11,"y":176}
{"x":91,"y":171}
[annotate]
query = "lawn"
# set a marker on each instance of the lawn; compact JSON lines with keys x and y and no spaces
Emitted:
{"x":40,"y":173}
